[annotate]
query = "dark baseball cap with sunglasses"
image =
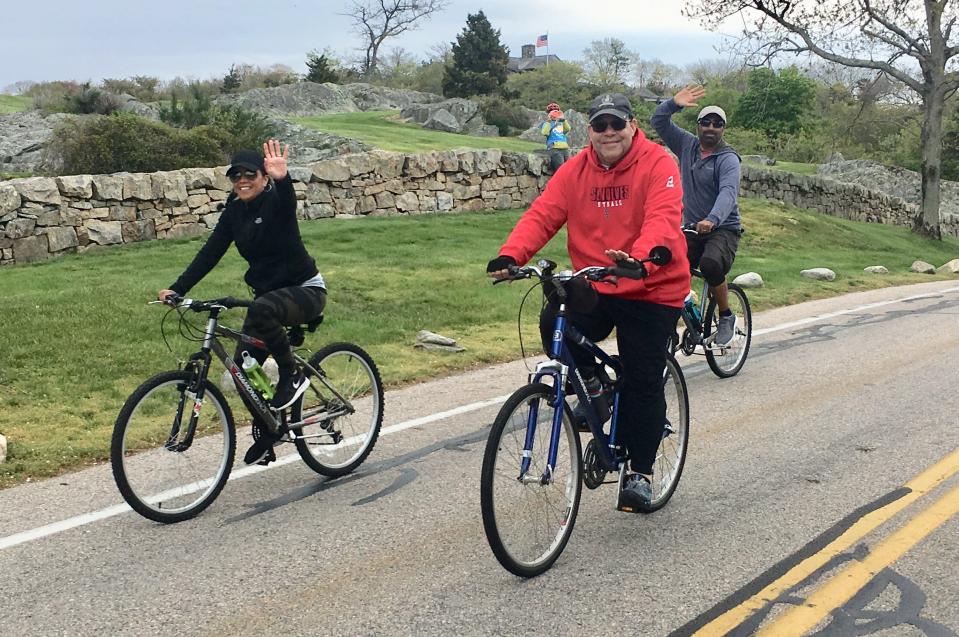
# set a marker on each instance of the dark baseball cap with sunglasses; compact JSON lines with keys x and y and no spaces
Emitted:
{"x":615,"y":104}
{"x":245,"y":160}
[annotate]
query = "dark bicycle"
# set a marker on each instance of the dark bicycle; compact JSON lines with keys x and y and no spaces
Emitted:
{"x":175,"y":438}
{"x":534,"y":466}
{"x":701,"y":321}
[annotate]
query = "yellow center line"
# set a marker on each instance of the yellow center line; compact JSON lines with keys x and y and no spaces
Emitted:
{"x":847,"y":582}
{"x":920,"y":485}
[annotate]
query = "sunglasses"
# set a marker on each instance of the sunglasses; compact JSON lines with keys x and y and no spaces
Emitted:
{"x":600,"y":126}
{"x":715,"y":123}
{"x":242,"y":174}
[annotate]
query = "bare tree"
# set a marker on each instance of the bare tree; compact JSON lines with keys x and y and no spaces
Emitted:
{"x":608,"y":63}
{"x":378,"y":20}
{"x":656,"y":75}
{"x":911,"y":41}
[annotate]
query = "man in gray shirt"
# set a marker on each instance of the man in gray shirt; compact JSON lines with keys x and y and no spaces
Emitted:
{"x":710,"y":171}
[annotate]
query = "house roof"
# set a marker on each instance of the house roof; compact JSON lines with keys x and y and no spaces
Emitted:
{"x":518,"y":65}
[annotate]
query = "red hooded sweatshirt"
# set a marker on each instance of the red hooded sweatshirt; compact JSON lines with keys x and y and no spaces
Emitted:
{"x":633,"y":206}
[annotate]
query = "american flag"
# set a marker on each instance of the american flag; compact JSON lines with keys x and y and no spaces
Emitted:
{"x":542,"y":40}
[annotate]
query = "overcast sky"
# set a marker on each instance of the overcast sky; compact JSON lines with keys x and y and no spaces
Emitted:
{"x":66,"y":39}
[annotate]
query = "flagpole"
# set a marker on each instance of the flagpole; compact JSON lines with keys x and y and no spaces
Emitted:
{"x":547,"y":47}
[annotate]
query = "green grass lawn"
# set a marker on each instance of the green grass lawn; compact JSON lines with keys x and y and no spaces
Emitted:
{"x":79,"y":335}
{"x":796,"y":167}
{"x":381,"y":129}
{"x":14,"y":103}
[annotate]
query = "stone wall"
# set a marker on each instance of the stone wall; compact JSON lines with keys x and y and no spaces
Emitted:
{"x":41,"y":217}
{"x":836,"y":198}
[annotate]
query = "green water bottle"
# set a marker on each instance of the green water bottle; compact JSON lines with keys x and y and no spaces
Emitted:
{"x":257,"y":377}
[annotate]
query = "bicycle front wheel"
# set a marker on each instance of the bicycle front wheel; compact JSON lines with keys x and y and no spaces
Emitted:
{"x":671,"y":455}
{"x":345,"y":403}
{"x":168,"y":465}
{"x":529,"y":509}
{"x":727,"y":360}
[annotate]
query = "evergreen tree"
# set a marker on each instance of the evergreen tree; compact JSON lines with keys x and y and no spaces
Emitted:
{"x":479,"y":60}
{"x":232,"y":80}
{"x":320,"y":68}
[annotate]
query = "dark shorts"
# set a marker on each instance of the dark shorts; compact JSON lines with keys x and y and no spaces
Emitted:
{"x":720,"y":245}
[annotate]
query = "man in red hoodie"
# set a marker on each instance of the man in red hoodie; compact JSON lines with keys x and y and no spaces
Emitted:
{"x":619,"y":198}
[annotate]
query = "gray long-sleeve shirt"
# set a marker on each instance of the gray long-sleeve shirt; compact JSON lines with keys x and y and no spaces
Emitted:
{"x":711,"y":183}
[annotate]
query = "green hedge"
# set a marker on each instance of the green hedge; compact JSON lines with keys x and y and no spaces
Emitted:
{"x":126,"y":142}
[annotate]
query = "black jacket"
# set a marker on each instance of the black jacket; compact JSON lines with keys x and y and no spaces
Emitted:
{"x":266,"y":234}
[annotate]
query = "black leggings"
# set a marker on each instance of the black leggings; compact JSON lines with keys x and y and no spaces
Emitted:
{"x":274,"y":311}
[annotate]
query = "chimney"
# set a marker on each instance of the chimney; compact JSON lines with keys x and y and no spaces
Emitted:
{"x":529,"y":51}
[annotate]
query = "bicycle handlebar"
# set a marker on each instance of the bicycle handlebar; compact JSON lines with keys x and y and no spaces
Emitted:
{"x":543,"y":270}
{"x":226,"y":303}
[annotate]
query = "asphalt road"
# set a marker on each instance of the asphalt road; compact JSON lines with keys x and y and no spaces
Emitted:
{"x":819,"y":497}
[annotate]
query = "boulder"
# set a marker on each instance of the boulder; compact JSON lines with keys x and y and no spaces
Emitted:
{"x":951,"y":267}
{"x":9,"y":199}
{"x":819,"y":274}
{"x":922,"y":267}
{"x":749,"y":280}
{"x":38,"y":189}
{"x":876,"y":269}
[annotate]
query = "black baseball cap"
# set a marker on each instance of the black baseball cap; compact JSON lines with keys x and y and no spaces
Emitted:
{"x":246,"y":159}
{"x":611,"y":104}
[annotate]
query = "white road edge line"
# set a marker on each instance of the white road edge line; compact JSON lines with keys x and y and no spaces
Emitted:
{"x":109,"y":512}
{"x":87,"y":518}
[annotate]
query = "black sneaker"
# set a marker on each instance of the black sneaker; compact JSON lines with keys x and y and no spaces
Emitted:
{"x":637,"y":493}
{"x":289,"y":389}
{"x":262,"y":450}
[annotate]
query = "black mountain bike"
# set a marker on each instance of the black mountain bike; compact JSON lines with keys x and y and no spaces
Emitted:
{"x":702,"y":321}
{"x":175,"y":438}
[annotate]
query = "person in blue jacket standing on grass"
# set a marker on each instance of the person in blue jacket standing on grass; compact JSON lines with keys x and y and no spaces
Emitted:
{"x":710,"y":170}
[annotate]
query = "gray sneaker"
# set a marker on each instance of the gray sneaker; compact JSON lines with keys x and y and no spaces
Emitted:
{"x":636,"y":495}
{"x":726,"y":330}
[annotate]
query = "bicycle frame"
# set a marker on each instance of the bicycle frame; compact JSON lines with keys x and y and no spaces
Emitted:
{"x":690,"y":321}
{"x":558,"y":369}
{"x":212,"y":345}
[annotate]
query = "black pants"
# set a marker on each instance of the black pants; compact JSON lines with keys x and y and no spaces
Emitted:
{"x":713,"y":253}
{"x":274,"y":311}
{"x":557,"y":157}
{"x":642,"y":332}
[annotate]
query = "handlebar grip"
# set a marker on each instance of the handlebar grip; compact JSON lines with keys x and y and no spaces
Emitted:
{"x":235,"y":302}
{"x":628,"y":273}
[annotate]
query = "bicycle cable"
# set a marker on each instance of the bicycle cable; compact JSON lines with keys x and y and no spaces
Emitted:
{"x":519,"y":322}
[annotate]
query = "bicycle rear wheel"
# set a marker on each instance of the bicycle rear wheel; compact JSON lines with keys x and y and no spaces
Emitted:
{"x":671,"y":455}
{"x":166,"y":470}
{"x":727,"y":360}
{"x":529,"y":516}
{"x":345,"y":403}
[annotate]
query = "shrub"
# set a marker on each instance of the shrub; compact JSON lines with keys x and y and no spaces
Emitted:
{"x":509,"y":118}
{"x":126,"y":142}
{"x":90,"y":101}
{"x":240,"y":127}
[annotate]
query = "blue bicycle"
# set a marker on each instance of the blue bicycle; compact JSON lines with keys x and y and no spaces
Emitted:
{"x":534,"y":466}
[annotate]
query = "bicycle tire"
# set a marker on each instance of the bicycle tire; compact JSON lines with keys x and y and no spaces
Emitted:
{"x":502,"y":492}
{"x":157,"y":476}
{"x":671,"y":454}
{"x":353,"y":374}
{"x":728,"y":361}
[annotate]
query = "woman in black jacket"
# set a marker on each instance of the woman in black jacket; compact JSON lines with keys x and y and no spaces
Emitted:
{"x":260,"y":218}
